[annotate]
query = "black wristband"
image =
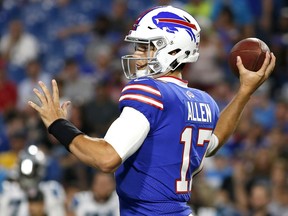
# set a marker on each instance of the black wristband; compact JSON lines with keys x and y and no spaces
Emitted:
{"x":64,"y":131}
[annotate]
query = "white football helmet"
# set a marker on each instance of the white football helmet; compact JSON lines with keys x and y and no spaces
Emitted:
{"x":31,"y":166}
{"x":173,"y":32}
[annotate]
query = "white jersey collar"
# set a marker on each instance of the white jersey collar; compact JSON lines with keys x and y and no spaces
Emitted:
{"x":177,"y":81}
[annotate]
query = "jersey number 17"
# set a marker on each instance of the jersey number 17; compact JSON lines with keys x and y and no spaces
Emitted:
{"x":184,"y":184}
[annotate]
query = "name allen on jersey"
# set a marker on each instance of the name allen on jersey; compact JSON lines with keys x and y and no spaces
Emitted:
{"x":200,"y":112}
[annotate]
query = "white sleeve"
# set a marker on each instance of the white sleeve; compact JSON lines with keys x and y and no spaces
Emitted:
{"x":212,"y":145}
{"x":127,"y":132}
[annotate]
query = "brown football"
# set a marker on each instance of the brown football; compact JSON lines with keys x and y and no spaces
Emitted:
{"x":252,"y":52}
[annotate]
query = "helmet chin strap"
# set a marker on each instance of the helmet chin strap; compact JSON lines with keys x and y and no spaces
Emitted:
{"x":150,"y":72}
{"x":145,"y":73}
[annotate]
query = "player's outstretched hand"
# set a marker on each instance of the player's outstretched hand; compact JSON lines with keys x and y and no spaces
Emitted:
{"x":250,"y":80}
{"x":50,"y":108}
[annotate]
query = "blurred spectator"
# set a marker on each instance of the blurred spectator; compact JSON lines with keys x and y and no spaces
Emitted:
{"x":259,"y":200}
{"x":279,"y":46}
{"x":8,"y":90}
{"x":75,"y":175}
{"x":207,"y":71}
{"x":34,"y":74}
{"x":203,"y":195}
{"x":101,"y":34}
{"x":263,"y":111}
{"x":99,"y":112}
{"x":76,"y":87}
{"x":36,"y":130}
{"x":276,"y":141}
{"x":262,"y":13}
{"x":279,"y":188}
{"x":261,"y":166}
{"x":222,"y":92}
{"x":234,"y":188}
{"x":281,"y":120}
{"x":101,"y":199}
{"x":72,"y":169}
{"x":102,"y":62}
{"x":224,"y":206}
{"x":120,"y":19}
{"x":217,"y":169}
{"x":18,"y":47}
{"x":241,"y":12}
{"x":252,"y":141}
{"x":229,"y":34}
{"x":117,"y":82}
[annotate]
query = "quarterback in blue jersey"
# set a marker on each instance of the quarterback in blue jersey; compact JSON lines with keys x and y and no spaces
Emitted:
{"x":165,"y":129}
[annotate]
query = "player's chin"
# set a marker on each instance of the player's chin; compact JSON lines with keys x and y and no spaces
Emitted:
{"x":141,"y":67}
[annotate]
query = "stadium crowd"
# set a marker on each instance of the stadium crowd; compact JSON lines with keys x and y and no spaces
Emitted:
{"x":80,"y":42}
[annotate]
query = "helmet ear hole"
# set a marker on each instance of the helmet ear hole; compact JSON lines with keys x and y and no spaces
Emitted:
{"x":174,"y":52}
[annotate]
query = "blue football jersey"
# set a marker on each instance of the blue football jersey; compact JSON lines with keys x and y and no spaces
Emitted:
{"x":157,"y":178}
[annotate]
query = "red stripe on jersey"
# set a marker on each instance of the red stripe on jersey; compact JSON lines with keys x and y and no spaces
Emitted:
{"x":142,"y":87}
{"x":144,"y":99}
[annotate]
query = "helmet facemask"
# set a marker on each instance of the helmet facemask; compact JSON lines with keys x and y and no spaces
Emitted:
{"x":130,"y":63}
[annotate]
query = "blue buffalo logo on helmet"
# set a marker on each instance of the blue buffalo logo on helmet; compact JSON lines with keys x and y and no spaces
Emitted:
{"x":171,"y":22}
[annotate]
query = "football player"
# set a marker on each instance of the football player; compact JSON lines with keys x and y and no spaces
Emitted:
{"x":27,"y":183}
{"x":165,"y":129}
{"x":101,"y":200}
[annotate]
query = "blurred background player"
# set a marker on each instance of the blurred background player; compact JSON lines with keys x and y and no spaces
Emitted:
{"x":36,"y":204}
{"x":100,"y":200}
{"x":27,"y":183}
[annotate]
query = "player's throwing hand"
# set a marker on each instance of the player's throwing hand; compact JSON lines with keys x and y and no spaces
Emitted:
{"x":249,"y":80}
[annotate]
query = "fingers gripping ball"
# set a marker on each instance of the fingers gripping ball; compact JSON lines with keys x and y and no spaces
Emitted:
{"x":252,"y":52}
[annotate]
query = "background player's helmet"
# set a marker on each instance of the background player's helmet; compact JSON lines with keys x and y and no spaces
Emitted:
{"x":31,"y":167}
{"x":174,"y":33}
